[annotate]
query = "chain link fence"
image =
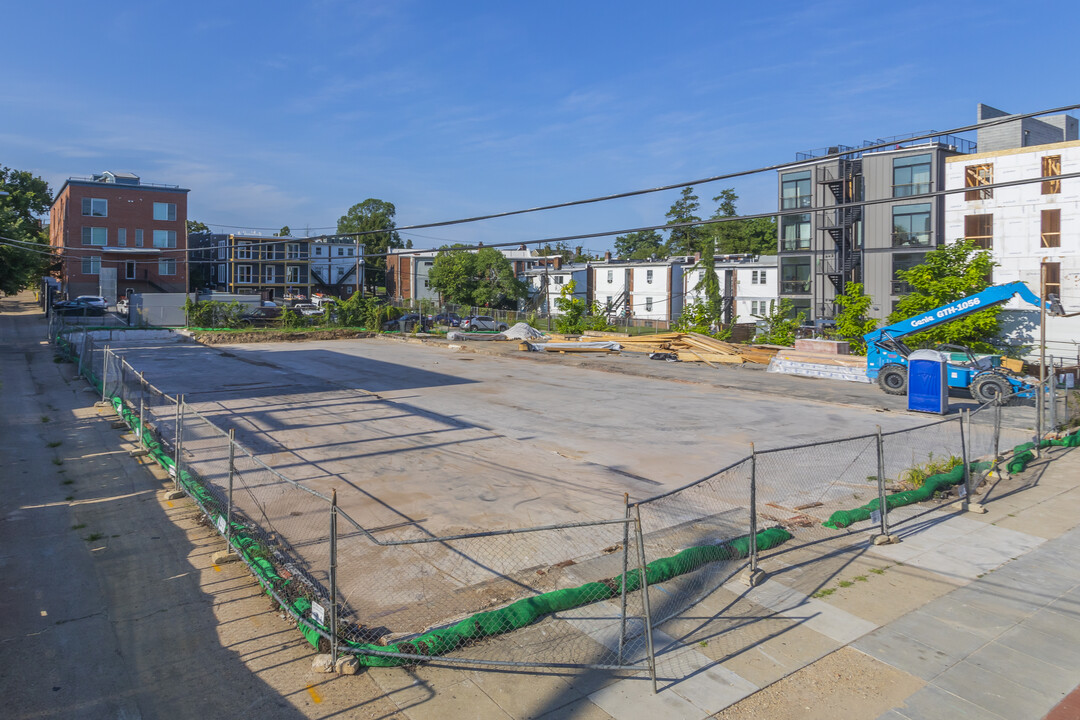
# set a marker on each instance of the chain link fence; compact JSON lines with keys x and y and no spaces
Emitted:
{"x":585,"y":594}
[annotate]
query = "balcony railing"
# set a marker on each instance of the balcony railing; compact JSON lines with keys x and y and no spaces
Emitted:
{"x":795,"y":287}
{"x":797,"y":202}
{"x":899,"y":287}
{"x":911,"y":189}
{"x":912,"y":239}
{"x":795,"y":244}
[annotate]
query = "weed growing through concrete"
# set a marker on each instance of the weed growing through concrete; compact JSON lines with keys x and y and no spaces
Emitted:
{"x":823,"y":592}
{"x":45,"y":418}
{"x":861,"y":578}
{"x":80,"y":526}
{"x":703,"y":643}
{"x":878,"y":571}
{"x":56,"y":443}
{"x":57,"y":461}
{"x":93,"y":536}
{"x":845,"y":583}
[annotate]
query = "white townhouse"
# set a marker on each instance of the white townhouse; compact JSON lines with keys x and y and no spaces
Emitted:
{"x":336,"y":264}
{"x":750,"y":281}
{"x":644,"y":289}
{"x":1032,"y":229}
{"x":546,"y":285}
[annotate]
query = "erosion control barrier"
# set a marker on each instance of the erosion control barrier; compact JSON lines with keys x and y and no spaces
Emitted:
{"x":1022,"y":455}
{"x":528,"y":610}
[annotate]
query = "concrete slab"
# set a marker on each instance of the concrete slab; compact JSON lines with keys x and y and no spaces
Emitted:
{"x":994,"y":693}
{"x":826,"y":619}
{"x":1033,"y":673}
{"x":934,"y":703}
{"x":905,"y":653}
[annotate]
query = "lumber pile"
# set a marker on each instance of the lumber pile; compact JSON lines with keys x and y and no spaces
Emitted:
{"x":694,"y":347}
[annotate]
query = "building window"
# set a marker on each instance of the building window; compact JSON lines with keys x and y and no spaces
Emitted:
{"x":795,"y":190}
{"x":243,"y":273}
{"x":349,"y":253}
{"x":292,"y":274}
{"x":1051,"y":277}
{"x":795,"y":232}
{"x":980,"y":230}
{"x":292,"y":251}
{"x":95,"y":236}
{"x":607,"y":304}
{"x":271,"y":274}
{"x":753,"y":277}
{"x":610,"y":276}
{"x":341,"y":252}
{"x":1051,"y":228}
{"x":318,"y":250}
{"x":138,"y":238}
{"x":760,"y":308}
{"x":91,"y":265}
{"x":904,"y":261}
{"x":243,"y":251}
{"x":911,"y":225}
{"x":121,"y":237}
{"x":222,"y":274}
{"x":911,"y":175}
{"x":341,"y":274}
{"x":1051,"y":166}
{"x":648,"y":277}
{"x":977,"y":176}
{"x":648,"y":304}
{"x":165,"y":211}
{"x":167,"y":266}
{"x":558,"y":279}
{"x":129,"y":270}
{"x":795,"y":275}
{"x":95,"y":207}
{"x":757,"y":277}
{"x":164,"y":238}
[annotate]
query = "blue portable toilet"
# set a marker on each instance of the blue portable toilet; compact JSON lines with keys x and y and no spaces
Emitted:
{"x":928,"y":382}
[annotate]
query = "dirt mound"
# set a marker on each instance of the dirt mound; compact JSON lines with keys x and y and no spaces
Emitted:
{"x":225,"y":337}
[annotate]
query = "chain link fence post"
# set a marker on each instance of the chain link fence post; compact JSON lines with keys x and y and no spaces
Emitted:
{"x":82,"y":353}
{"x":142,"y":422}
{"x":625,"y":569}
{"x":333,"y":577}
{"x":104,"y":372}
{"x":966,"y":505}
{"x":753,"y":575}
{"x":176,"y":446}
{"x":884,"y":538}
{"x":645,"y":598}
{"x":178,"y":460}
{"x":1052,"y":380}
{"x":232,"y":474}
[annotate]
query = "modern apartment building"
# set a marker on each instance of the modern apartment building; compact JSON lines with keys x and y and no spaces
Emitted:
{"x":1032,"y":229}
{"x":117,"y":235}
{"x":827,"y":239}
{"x":274,"y":267}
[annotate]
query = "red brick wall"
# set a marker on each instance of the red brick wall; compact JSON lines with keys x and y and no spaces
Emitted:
{"x":130,"y":207}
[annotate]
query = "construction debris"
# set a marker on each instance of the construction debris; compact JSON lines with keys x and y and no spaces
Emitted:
{"x":820,"y":365}
{"x":695,"y":347}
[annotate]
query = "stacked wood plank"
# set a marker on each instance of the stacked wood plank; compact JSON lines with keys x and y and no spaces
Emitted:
{"x":694,"y":347}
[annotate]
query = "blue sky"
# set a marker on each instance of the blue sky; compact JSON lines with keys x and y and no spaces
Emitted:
{"x":279,"y":113}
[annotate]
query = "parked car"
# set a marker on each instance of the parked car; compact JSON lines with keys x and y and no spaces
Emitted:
{"x":476,"y":323}
{"x":78,"y":307}
{"x":94,"y":300}
{"x":262,"y":316}
{"x":451,"y":319}
{"x":410,"y":320}
{"x":307,"y":309}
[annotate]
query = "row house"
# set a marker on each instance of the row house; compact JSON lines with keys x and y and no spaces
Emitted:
{"x":548,"y":282}
{"x":644,"y":289}
{"x":749,"y":285}
{"x":336,"y":264}
{"x":117,"y":235}
{"x":408,"y":271}
{"x":1032,"y":229}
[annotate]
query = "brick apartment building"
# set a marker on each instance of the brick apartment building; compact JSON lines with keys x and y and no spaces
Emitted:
{"x":117,"y":235}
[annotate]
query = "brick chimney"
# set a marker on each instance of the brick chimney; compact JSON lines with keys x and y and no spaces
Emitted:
{"x":607,"y":256}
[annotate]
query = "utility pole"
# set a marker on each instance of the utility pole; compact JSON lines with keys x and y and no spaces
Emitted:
{"x":359,"y":280}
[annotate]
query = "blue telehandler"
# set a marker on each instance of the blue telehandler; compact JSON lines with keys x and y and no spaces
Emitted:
{"x":886,"y":353}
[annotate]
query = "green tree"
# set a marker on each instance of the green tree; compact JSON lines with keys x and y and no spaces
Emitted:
{"x":576,"y":315}
{"x":756,"y":236}
{"x":24,"y":244}
{"x":852,"y":321}
{"x":685,"y":240}
{"x":709,"y":285}
{"x":946,"y":274}
{"x":781,"y":324}
{"x":377,"y":218}
{"x":285,"y":231}
{"x":640,"y":245}
{"x":484,"y":278}
{"x":194,"y":226}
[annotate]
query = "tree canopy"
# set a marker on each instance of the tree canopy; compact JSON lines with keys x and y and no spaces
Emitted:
{"x":756,"y":236}
{"x":852,"y":321}
{"x":684,"y":240}
{"x":946,"y":274}
{"x":640,"y":245}
{"x":28,"y":197}
{"x":373,"y":215}
{"x":194,"y":226}
{"x":484,"y":278}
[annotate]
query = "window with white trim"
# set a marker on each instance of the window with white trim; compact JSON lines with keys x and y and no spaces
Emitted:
{"x":121,"y":237}
{"x":95,"y":236}
{"x":610,"y":276}
{"x":167,"y":266}
{"x":243,"y":273}
{"x":95,"y":207}
{"x":292,"y":251}
{"x":318,"y":250}
{"x":271,"y":273}
{"x":558,"y":279}
{"x":341,"y":252}
{"x":222,"y":274}
{"x":138,"y":238}
{"x":91,"y":265}
{"x":164,"y":238}
{"x":164,"y":211}
{"x":243,"y":251}
{"x":292,"y":274}
{"x":648,"y":276}
{"x":648,"y":303}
